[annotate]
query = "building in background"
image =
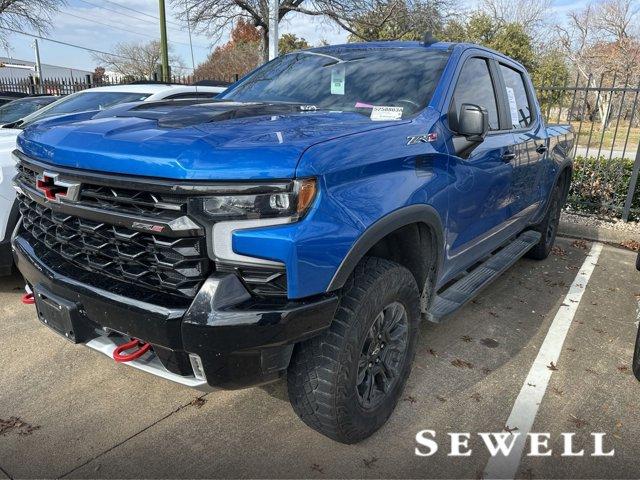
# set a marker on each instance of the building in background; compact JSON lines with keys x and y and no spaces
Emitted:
{"x":27,"y":68}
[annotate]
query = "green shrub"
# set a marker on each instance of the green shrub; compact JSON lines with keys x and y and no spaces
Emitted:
{"x":600,"y":187}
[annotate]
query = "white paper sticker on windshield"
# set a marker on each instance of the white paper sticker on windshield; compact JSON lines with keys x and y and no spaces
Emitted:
{"x":337,"y":80}
{"x":513,"y":106}
{"x":386,"y":113}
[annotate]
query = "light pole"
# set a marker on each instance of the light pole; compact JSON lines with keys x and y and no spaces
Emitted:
{"x":164,"y":49}
{"x":38,"y":66}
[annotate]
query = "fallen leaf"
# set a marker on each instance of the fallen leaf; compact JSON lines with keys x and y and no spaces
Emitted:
{"x":581,"y":244}
{"x":409,"y":399}
{"x":509,"y":429}
{"x":433,"y":352}
{"x":458,"y":362}
{"x":441,"y":398}
{"x":198,"y":402}
{"x":552,"y":366}
{"x":631,"y":245}
{"x":369,"y":463}
{"x":557,"y":391}
{"x":623,"y":368}
{"x":466,"y":338}
{"x":558,"y":251}
{"x":578,"y":422}
{"x":18,"y":425}
{"x":317,"y":468}
{"x":477,"y":397}
{"x":490,"y":342}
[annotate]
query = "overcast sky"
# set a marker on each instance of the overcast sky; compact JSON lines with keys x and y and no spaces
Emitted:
{"x":100,"y":24}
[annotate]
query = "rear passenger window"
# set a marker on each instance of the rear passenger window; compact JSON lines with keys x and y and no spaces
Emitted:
{"x":475,"y":86}
{"x":518,"y":102}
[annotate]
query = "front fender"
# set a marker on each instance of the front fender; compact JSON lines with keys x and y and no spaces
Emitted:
{"x":404,"y":216}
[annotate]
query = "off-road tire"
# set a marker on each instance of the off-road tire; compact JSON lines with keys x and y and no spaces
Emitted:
{"x":548,"y":227}
{"x":324,"y":371}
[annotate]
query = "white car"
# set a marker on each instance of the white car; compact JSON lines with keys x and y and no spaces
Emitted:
{"x":97,"y":98}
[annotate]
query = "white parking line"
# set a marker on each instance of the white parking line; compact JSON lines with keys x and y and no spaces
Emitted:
{"x":526,"y":405}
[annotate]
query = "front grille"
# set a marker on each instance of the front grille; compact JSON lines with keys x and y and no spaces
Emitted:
{"x":176,"y":266}
{"x":119,"y":199}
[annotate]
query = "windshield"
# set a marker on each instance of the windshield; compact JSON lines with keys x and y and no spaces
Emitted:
{"x":17,"y":109}
{"x":350,"y":79}
{"x":82,"y":102}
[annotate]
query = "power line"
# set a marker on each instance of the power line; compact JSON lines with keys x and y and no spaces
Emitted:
{"x":125,"y":29}
{"x":64,"y":43}
{"x":128,"y":15}
{"x":139,"y":11}
{"x":60,"y":42}
{"x":137,"y":18}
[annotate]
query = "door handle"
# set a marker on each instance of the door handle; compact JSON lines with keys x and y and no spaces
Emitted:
{"x":541,"y":149}
{"x":508,"y":156}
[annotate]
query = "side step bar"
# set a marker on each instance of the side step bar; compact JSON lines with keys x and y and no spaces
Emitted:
{"x":470,"y":285}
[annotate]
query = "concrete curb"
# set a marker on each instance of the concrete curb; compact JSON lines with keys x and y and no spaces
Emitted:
{"x":600,"y":234}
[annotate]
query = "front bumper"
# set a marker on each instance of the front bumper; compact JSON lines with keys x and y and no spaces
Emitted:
{"x":239,"y":340}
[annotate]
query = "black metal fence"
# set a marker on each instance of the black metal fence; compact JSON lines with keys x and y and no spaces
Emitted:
{"x":602,"y":110}
{"x":64,"y":86}
{"x":604,"y":113}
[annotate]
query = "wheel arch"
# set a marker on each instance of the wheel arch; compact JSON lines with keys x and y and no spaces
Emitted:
{"x":416,"y":228}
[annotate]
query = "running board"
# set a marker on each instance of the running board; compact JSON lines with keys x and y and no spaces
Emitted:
{"x":470,"y":285}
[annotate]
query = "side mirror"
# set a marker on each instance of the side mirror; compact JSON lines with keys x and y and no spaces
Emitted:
{"x":473,"y":122}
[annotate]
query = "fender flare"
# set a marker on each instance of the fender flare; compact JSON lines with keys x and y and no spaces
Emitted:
{"x":373,"y":234}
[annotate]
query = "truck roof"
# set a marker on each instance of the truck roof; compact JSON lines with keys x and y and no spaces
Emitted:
{"x":442,"y":46}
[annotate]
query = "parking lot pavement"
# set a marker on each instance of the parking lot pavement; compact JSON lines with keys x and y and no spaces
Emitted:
{"x":84,"y":416}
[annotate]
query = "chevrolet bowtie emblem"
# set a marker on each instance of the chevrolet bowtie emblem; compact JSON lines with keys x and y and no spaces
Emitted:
{"x":54,"y":189}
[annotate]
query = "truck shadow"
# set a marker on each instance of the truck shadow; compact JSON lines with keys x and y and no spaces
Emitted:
{"x":12,"y":283}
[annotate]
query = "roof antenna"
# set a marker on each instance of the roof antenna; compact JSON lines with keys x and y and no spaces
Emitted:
{"x":429,"y":39}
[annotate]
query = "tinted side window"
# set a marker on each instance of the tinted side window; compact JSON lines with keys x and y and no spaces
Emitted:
{"x":475,"y":86}
{"x":518,"y":102}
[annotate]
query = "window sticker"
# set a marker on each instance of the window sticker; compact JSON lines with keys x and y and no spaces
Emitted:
{"x":386,"y":113}
{"x":337,"y":80}
{"x":513,"y":106}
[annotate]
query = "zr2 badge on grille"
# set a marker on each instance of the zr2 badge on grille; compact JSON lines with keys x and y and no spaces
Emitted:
{"x":54,"y":189}
{"x":148,"y":227}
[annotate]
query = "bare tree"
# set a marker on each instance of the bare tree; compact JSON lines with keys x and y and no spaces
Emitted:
{"x":138,"y":60}
{"x":530,"y":15}
{"x":214,"y":17}
{"x":31,"y":14}
{"x":602,"y":44}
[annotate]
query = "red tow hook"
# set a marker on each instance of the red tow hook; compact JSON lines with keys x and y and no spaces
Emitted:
{"x":142,"y":348}
{"x":28,"y":299}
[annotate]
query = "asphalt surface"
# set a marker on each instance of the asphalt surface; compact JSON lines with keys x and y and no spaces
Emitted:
{"x":66,"y":411}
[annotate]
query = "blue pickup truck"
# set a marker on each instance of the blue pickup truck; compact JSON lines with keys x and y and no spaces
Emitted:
{"x":300,"y":225}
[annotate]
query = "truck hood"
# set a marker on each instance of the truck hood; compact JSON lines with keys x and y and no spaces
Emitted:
{"x":212,"y":141}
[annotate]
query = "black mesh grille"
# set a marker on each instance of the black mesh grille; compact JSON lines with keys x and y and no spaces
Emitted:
{"x":175,"y":266}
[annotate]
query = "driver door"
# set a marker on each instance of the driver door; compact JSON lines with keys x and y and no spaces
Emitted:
{"x":480,"y":194}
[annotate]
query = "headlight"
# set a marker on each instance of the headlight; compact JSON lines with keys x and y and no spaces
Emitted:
{"x":291,"y":199}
